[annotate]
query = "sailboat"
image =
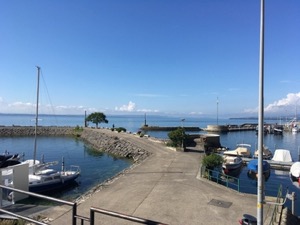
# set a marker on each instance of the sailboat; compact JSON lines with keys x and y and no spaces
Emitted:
{"x":43,"y":178}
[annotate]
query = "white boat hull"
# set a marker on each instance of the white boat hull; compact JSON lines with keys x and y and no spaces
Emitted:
{"x":50,"y":180}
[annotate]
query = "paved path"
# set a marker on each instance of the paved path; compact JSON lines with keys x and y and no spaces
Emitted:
{"x":164,"y":188}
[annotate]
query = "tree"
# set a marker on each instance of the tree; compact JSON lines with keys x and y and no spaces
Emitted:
{"x":96,"y":118}
{"x":177,"y":137}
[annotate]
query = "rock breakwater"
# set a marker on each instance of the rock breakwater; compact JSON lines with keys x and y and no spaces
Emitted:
{"x":107,"y":141}
{"x":11,"y":131}
{"x":113,"y":144}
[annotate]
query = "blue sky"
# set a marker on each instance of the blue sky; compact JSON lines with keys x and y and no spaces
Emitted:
{"x":166,"y":57}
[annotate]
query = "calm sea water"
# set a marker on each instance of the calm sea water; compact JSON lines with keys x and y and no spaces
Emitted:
{"x":97,"y":167}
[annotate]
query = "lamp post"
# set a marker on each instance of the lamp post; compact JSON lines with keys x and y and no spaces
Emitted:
{"x":260,"y":185}
{"x":182,"y":120}
{"x":182,"y":145}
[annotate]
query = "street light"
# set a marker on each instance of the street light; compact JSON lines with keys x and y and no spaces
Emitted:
{"x":182,"y":120}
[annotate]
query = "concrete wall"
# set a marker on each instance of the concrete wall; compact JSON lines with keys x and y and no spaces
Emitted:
{"x":205,"y":142}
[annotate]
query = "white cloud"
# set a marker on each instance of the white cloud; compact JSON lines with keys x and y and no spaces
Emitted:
{"x":19,"y":107}
{"x":126,"y":108}
{"x":30,"y":108}
{"x":284,"y":105}
{"x":131,"y":107}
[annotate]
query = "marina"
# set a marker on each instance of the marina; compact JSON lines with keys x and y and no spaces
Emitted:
{"x":91,"y":162}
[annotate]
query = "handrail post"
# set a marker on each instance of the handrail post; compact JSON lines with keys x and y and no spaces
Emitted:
{"x":74,"y":213}
{"x":92,"y":217}
{"x":227,"y":181}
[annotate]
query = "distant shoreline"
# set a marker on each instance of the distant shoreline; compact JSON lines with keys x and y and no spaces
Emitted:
{"x":255,"y":118}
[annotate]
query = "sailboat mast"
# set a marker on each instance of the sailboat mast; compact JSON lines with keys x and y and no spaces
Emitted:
{"x":36,"y":113}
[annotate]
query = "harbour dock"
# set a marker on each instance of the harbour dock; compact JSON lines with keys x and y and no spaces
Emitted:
{"x":274,"y":164}
{"x":231,"y":127}
{"x":159,"y":128}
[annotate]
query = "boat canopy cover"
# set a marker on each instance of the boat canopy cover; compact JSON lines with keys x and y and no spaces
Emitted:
{"x":295,"y":169}
{"x":238,"y":151}
{"x":282,"y":155}
{"x":253,"y":165}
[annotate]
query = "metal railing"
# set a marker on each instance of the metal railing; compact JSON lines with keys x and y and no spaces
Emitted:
{"x":220,"y":178}
{"x":74,"y":216}
{"x":72,"y":204}
{"x":277,"y":207}
{"x":94,"y":210}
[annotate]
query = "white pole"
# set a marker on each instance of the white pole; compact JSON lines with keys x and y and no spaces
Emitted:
{"x":260,"y":186}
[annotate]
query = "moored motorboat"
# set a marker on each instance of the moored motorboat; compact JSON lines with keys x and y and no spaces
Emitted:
{"x":278,"y":130}
{"x":253,"y":169}
{"x":242,"y":150}
{"x":295,"y":173}
{"x":282,"y":155}
{"x":267,"y":154}
{"x":232,"y":162}
{"x":232,"y":165}
{"x":7,"y":159}
{"x":295,"y":129}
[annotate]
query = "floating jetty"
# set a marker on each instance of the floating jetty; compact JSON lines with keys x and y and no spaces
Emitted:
{"x":159,"y":128}
{"x":274,"y":164}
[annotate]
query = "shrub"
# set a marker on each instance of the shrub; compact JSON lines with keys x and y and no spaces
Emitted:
{"x":121,"y":129}
{"x":212,"y":160}
{"x":78,"y":128}
{"x":77,"y":131}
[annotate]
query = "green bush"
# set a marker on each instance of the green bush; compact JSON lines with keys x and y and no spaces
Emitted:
{"x":121,"y":129}
{"x":211,"y":161}
{"x":77,"y":131}
{"x":177,"y":137}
